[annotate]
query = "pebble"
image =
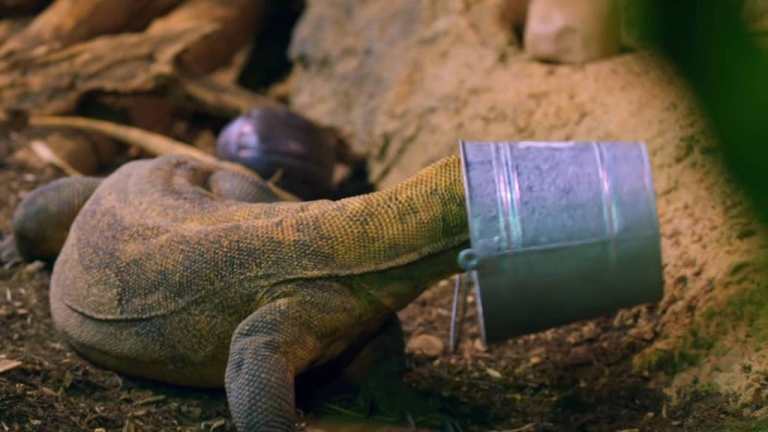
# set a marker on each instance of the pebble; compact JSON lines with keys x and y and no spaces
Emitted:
{"x":565,"y":31}
{"x":426,"y":345}
{"x":493,"y":373}
{"x":579,"y":355}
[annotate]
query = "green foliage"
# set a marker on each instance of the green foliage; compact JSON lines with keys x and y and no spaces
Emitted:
{"x":709,"y":43}
{"x":749,"y":309}
{"x":671,"y":362}
{"x":744,"y":426}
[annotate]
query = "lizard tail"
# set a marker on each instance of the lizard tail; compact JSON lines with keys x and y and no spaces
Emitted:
{"x":41,"y":221}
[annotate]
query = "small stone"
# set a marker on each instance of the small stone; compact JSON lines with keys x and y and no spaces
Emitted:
{"x":568,"y":31}
{"x":479,"y":345}
{"x":535,"y":360}
{"x":493,"y":373}
{"x":425,"y":345}
{"x":579,"y":355}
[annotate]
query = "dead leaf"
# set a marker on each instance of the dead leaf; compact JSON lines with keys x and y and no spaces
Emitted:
{"x":6,"y":365}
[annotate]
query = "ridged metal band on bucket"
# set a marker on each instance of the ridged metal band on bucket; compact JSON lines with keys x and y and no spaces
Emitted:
{"x":560,"y":232}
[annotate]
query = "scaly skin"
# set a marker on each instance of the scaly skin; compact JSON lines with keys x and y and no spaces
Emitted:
{"x":167,"y":273}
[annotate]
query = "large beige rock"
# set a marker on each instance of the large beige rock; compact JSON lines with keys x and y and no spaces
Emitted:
{"x":572,"y":31}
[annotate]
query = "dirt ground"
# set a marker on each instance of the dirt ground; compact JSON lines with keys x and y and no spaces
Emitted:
{"x":575,"y":378}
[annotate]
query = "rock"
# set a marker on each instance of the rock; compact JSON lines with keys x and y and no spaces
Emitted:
{"x":425,"y":345}
{"x":572,"y":31}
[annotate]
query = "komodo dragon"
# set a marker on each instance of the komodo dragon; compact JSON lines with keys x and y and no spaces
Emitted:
{"x":191,"y":273}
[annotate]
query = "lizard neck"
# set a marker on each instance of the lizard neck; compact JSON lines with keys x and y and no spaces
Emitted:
{"x":411,"y":233}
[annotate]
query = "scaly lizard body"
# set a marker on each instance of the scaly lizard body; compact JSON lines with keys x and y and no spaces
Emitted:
{"x":185,"y":272}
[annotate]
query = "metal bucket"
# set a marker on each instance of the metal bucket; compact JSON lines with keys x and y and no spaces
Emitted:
{"x":560,"y":232}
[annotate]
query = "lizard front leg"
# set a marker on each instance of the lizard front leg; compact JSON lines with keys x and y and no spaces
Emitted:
{"x":280,"y":340}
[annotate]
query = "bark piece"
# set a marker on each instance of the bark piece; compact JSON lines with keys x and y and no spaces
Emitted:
{"x":52,"y":81}
{"x":236,"y":22}
{"x":66,"y":22}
